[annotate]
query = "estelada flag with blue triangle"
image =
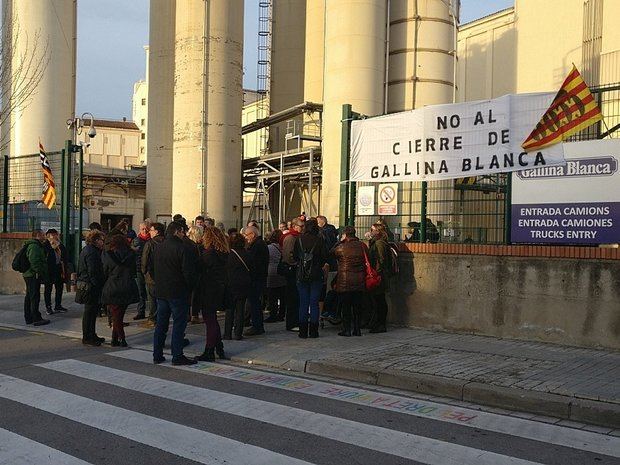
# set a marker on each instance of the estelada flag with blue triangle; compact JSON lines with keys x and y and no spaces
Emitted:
{"x":572,"y":110}
{"x":49,"y":186}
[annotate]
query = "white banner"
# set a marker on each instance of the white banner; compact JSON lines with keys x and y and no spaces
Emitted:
{"x":451,"y":141}
{"x":365,"y":200}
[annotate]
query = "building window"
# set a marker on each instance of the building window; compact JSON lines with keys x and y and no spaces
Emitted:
{"x":143,"y":101}
{"x":142,"y":136}
{"x":141,"y":149}
{"x":142,"y":121}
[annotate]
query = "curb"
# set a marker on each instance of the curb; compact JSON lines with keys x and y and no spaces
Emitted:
{"x":594,"y":412}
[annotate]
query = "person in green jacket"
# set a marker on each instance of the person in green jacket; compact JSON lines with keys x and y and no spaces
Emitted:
{"x":34,"y":276}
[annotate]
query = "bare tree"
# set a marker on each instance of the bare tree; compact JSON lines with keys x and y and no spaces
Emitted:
{"x":21,"y":69}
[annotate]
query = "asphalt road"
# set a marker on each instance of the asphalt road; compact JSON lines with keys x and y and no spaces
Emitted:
{"x":63,"y":403}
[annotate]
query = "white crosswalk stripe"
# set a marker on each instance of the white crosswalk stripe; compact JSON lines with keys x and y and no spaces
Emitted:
{"x":190,"y":443}
{"x":16,"y":449}
{"x":426,"y":450}
{"x":552,"y":434}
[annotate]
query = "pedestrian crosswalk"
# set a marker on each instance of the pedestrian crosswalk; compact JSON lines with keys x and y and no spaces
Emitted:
{"x":214,"y":414}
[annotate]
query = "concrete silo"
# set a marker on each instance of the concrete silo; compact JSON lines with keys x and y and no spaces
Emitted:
{"x":355,"y":39}
{"x":224,"y":107}
{"x":158,"y":201}
{"x":41,"y":28}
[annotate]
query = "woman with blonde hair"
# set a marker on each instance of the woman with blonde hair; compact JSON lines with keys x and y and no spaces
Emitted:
{"x":380,"y":257}
{"x":210,"y":294}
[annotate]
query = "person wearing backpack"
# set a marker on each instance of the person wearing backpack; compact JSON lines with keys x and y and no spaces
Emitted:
{"x":31,"y":261}
{"x":310,"y":253}
{"x":380,"y":257}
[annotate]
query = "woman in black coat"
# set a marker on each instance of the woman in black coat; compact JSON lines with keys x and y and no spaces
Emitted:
{"x":239,"y":282}
{"x":210,"y":293}
{"x":120,"y":288}
{"x":90,"y":282}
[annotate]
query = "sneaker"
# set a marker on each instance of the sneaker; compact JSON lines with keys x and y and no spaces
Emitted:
{"x":61,"y":309}
{"x":100,"y":339}
{"x":183,"y":360}
{"x":49,"y":311}
{"x":186,"y":342}
{"x":91,"y":342}
{"x":158,"y":360}
{"x":254,"y":332}
{"x":139,"y":316}
{"x":41,"y":322}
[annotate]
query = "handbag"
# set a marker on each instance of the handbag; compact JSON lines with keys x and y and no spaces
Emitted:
{"x":286,"y":269}
{"x":82,"y":293}
{"x":373,"y":279}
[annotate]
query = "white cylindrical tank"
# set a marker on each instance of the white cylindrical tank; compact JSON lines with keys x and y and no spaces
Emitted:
{"x":355,"y":35}
{"x":225,"y":104}
{"x":314,"y":57}
{"x":287,"y":63}
{"x":160,"y":80}
{"x":187,"y":149}
{"x":421,"y":61}
{"x":40,"y":29}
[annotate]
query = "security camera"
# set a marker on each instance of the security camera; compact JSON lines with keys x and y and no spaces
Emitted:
{"x":92,"y":132}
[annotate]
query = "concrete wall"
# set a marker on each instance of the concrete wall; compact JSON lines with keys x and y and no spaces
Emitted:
{"x":11,"y":282}
{"x":565,"y":301}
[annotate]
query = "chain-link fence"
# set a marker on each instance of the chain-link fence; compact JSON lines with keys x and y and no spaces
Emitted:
{"x":22,"y":192}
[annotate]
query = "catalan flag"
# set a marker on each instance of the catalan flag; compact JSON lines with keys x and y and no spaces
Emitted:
{"x":49,"y":187}
{"x":572,"y":110}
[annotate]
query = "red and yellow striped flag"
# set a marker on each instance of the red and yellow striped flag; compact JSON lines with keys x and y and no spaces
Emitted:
{"x":572,"y":110}
{"x":49,"y":187}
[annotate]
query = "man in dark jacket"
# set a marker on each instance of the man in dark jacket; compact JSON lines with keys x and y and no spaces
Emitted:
{"x":157,"y":233}
{"x":34,"y":276}
{"x":259,"y":254}
{"x":174,"y":272}
{"x":57,"y":267}
{"x":138,"y":246}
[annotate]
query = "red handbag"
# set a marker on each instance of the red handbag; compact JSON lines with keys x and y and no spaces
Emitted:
{"x":373,"y":279}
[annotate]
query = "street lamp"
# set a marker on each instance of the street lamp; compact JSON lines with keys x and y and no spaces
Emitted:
{"x":73,"y":146}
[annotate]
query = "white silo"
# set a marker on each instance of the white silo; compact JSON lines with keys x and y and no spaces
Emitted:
{"x":224,"y":107}
{"x":189,"y":147}
{"x":355,"y":40}
{"x":158,"y":202}
{"x":38,"y":29}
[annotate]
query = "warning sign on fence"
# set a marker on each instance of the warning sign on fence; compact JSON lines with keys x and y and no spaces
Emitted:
{"x":388,"y":197}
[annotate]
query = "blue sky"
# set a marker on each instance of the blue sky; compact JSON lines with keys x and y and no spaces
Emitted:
{"x":112,"y":33}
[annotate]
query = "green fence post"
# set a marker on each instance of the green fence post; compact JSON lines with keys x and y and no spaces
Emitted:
{"x":508,"y":210}
{"x":5,"y":196}
{"x":344,"y":165}
{"x":423,"y":200}
{"x":78,"y":235}
{"x":65,"y":199}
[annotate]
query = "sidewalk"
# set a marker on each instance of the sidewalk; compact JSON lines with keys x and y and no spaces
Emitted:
{"x":569,"y":383}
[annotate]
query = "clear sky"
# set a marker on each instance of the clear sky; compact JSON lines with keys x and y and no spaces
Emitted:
{"x":112,"y":33}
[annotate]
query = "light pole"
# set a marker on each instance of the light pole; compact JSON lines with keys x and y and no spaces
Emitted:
{"x":73,"y":146}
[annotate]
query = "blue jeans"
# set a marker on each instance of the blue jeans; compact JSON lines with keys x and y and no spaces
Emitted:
{"x":179,"y":309}
{"x":255,"y":300}
{"x":309,"y":295}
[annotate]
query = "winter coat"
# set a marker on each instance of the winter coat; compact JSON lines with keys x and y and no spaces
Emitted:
{"x":38,"y":261}
{"x":239,"y":279}
{"x":138,"y":245}
{"x":174,"y":269}
{"x":273,"y":278}
{"x":351,"y":265}
{"x":119,"y":268}
{"x":56,"y":270}
{"x":307,"y":242}
{"x":288,"y":245}
{"x":146,"y":262}
{"x":380,"y":257}
{"x":329,"y":234}
{"x":259,"y":255}
{"x":90,"y":270}
{"x":211,"y":289}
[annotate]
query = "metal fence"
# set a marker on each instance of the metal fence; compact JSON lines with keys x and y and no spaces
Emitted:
{"x":471,"y":210}
{"x":21,"y":193}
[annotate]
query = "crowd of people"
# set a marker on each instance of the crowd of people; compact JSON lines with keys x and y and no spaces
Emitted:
{"x":302,"y":272}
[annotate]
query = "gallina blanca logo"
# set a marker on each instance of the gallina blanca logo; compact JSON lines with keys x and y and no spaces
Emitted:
{"x":577,"y":167}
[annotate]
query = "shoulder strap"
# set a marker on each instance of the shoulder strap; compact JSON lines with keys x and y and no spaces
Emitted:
{"x":241,"y":259}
